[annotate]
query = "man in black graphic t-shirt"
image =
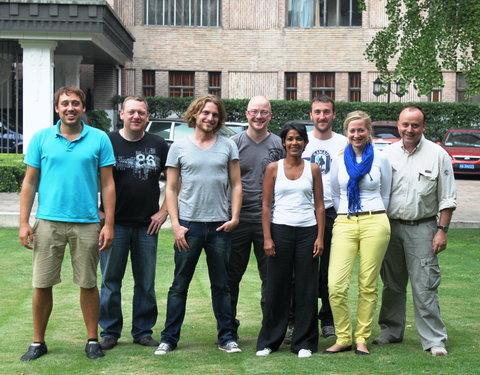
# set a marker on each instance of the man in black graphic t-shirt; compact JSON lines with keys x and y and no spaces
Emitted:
{"x":140,"y":159}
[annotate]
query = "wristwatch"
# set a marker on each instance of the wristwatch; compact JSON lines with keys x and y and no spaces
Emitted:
{"x":445,"y":229}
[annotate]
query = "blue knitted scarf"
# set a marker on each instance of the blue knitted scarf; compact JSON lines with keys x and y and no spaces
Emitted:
{"x":356,"y":171}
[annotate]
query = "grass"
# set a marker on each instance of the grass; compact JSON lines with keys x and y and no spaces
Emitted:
{"x":197,"y":354}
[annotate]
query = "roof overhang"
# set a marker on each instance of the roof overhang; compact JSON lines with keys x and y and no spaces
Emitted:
{"x":87,"y":28}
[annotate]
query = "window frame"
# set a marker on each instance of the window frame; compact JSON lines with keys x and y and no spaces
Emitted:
{"x":182,"y":87}
{"x":322,"y":90}
{"x":321,"y":11}
{"x":215,"y":83}
{"x":291,"y":91}
{"x":148,"y":82}
{"x":182,"y":13}
{"x":354,"y":91}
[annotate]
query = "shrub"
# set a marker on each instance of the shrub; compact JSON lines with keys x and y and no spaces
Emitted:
{"x":99,"y":119}
{"x":12,"y":172}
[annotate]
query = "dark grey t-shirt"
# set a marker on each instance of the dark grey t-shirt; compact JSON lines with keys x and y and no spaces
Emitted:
{"x":254,"y":158}
{"x":205,"y":179}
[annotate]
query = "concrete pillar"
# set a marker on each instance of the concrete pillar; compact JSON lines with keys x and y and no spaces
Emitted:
{"x":67,"y":70}
{"x":37,"y":86}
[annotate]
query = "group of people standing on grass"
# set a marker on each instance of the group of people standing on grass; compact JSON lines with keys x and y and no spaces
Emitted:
{"x":306,"y":202}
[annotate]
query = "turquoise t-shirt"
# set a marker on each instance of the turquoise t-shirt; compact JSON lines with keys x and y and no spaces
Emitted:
{"x":69,"y":172}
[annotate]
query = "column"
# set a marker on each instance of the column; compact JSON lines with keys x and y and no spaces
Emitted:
{"x":67,"y":70}
{"x":37,"y":86}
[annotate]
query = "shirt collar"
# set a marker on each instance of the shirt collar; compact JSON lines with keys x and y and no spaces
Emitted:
{"x":58,"y":133}
{"x":419,"y":146}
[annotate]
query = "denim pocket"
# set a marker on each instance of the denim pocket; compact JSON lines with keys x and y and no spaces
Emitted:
{"x":431,"y":274}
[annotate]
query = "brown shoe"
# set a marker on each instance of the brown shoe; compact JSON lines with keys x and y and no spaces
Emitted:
{"x":146,"y":341}
{"x":108,"y":343}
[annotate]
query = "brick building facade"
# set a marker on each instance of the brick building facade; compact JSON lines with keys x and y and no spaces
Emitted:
{"x":284,"y":49}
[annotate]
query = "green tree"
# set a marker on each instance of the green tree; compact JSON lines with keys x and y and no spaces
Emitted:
{"x":426,"y":37}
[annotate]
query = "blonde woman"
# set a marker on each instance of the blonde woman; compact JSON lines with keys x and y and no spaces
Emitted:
{"x":360,"y":182}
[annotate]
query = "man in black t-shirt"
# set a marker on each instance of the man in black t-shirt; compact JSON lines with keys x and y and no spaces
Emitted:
{"x":140,"y":159}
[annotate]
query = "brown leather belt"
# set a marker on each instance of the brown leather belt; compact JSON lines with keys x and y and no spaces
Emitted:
{"x":414,"y":222}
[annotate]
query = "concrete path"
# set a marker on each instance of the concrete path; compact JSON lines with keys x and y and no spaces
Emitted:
{"x":467,"y":214}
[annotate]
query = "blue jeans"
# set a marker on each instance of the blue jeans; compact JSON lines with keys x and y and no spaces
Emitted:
{"x":113,"y":262}
{"x":217,"y":249}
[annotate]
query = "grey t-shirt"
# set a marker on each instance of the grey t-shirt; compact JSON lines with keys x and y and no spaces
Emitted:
{"x":254,"y":158}
{"x":205,"y":178}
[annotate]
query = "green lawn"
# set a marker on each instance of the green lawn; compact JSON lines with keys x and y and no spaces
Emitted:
{"x":197,"y":354}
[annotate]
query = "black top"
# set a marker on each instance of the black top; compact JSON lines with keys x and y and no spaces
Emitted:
{"x":136,"y":174}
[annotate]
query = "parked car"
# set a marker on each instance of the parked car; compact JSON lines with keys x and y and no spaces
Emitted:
{"x":384,"y":133}
{"x":463,"y":146}
{"x":10,"y":140}
{"x":307,"y":123}
{"x":237,"y":127}
{"x":172,"y":129}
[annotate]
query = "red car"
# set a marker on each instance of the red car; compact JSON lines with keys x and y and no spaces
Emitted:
{"x":463,"y":146}
{"x":384,"y":133}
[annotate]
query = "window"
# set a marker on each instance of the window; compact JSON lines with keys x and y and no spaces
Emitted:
{"x":148,"y":82}
{"x":462,"y":88}
{"x":290,"y":86}
{"x":187,"y":13}
{"x":181,"y":84}
{"x":214,"y":83}
{"x":323,"y":84}
{"x":436,"y":95}
{"x":315,"y":13}
{"x":354,"y":86}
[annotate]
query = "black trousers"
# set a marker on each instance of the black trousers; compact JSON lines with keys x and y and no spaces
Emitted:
{"x":294,"y":253}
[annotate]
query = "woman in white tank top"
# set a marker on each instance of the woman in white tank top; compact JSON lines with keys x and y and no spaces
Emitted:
{"x":293,"y":221}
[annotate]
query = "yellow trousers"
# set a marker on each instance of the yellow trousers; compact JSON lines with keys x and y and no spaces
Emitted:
{"x":368,"y":235}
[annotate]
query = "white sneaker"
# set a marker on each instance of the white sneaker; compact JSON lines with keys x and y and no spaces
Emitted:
{"x":304,"y":353}
{"x":438,"y":351}
{"x":163,"y":349}
{"x":230,"y":347}
{"x":264,"y":352}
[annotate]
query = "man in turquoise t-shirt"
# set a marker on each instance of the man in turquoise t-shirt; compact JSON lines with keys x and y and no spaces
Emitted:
{"x":64,"y":163}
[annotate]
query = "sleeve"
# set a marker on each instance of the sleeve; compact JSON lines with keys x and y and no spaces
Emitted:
{"x":107,"y":156}
{"x":172,"y":156}
{"x":234,"y":155}
{"x":385,"y":180}
{"x":334,"y":184}
{"x":446,"y":191}
{"x":33,"y":156}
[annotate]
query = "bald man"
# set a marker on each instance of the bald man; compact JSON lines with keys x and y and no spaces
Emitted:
{"x":257,"y":148}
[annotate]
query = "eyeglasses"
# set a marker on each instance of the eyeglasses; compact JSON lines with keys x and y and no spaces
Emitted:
{"x":254,"y":112}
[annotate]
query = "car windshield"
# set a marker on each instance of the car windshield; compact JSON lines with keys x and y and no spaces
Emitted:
{"x":161,"y":128}
{"x":463,"y":139}
{"x":385,"y":132}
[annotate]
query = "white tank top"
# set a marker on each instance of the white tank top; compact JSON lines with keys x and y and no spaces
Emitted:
{"x":294,"y":198}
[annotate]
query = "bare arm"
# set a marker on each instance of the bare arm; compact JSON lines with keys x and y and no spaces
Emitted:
{"x":319,"y":209}
{"x":27,"y":196}
{"x":171,"y":199}
{"x":440,"y":240}
{"x":267,"y":198}
{"x":158,"y":218}
{"x":236,"y":186}
{"x":105,"y":239}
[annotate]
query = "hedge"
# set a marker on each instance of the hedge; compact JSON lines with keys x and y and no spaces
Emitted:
{"x":439,"y":116}
{"x":12,"y":171}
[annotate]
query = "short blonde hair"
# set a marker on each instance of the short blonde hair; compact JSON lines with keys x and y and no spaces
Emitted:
{"x":198,"y":104}
{"x":358,"y":115}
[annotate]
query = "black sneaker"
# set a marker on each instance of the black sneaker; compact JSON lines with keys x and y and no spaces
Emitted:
{"x":94,"y":350}
{"x":108,"y":343}
{"x":146,"y":341}
{"x":35,"y":350}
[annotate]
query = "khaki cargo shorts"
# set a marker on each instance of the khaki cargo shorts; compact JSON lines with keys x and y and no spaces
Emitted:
{"x":49,"y":242}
